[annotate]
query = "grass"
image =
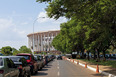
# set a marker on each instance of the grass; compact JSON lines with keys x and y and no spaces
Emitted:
{"x":105,"y":63}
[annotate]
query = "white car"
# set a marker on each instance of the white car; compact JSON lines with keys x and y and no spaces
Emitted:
{"x":7,"y":68}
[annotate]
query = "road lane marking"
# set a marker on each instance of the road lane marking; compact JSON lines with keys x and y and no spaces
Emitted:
{"x":58,"y":73}
{"x":58,"y":67}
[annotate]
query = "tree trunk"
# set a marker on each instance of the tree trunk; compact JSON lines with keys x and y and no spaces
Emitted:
{"x":98,"y":58}
{"x":82,"y":54}
{"x":94,"y":56}
{"x":88,"y":55}
{"x":104,"y":57}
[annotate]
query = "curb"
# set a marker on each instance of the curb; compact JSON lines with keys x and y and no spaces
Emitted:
{"x":91,"y":68}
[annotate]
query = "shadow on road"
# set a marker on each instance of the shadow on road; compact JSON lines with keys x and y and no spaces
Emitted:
{"x":44,"y":69}
{"x":47,"y":67}
{"x":99,"y":75}
{"x":40,"y":74}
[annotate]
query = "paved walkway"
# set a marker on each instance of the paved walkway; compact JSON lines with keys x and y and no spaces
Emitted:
{"x":107,"y":69}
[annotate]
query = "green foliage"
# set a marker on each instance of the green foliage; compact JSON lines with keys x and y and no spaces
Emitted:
{"x":92,"y":24}
{"x":24,"y":49}
{"x":15,"y":51}
{"x":6,"y":50}
{"x":12,"y":51}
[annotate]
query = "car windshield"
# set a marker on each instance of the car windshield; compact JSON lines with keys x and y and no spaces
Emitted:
{"x":1,"y":62}
{"x":35,"y":57}
{"x":41,"y":57}
{"x":15,"y":59}
{"x":26,"y":57}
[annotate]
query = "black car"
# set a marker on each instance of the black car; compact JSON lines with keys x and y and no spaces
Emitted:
{"x":59,"y":57}
{"x":22,"y":65}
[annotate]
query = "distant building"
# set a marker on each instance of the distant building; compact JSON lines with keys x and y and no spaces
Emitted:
{"x":42,"y":41}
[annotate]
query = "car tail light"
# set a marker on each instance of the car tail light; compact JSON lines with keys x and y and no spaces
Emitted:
{"x":1,"y":71}
{"x":20,"y":67}
{"x":28,"y":61}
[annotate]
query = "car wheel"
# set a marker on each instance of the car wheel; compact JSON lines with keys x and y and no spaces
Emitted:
{"x":25,"y":74}
{"x":29,"y":75}
{"x":32,"y":71}
{"x":40,"y":68}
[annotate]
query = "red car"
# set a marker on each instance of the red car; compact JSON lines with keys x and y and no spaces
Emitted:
{"x":31,"y":61}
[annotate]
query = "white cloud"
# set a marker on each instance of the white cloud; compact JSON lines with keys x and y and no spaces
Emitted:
{"x":10,"y":34}
{"x":42,"y":17}
{"x":15,"y":44}
{"x":24,"y":23}
{"x":5,"y":24}
{"x":14,"y":33}
{"x":46,"y":19}
{"x":20,"y":32}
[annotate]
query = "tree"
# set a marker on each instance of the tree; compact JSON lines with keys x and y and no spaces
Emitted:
{"x":24,"y":49}
{"x":15,"y":51}
{"x":6,"y":50}
{"x":96,"y":17}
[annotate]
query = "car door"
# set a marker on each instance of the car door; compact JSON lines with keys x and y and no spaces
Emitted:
{"x":15,"y":71}
{"x":35,"y":63}
{"x":10,"y":68}
{"x":25,"y":65}
{"x":40,"y":61}
{"x":4,"y":68}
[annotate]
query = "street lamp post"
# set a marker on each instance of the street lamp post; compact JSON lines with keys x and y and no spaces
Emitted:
{"x":33,"y":34}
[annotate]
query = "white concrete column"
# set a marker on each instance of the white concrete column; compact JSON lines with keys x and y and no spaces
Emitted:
{"x":31,"y":42}
{"x":44,"y":43}
{"x":46,"y":39}
{"x":38,"y":43}
{"x":41,"y":42}
{"x":34,"y":43}
{"x":52,"y":40}
{"x":48,"y":42}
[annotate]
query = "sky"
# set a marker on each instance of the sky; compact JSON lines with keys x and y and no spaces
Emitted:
{"x":17,"y":18}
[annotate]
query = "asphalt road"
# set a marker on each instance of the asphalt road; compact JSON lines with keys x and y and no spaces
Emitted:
{"x":63,"y":68}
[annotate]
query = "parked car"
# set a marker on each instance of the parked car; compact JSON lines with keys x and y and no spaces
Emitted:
{"x":46,"y":60}
{"x":7,"y":68}
{"x":49,"y":58}
{"x":31,"y":61}
{"x":22,"y":65}
{"x":40,"y":61}
{"x":59,"y":57}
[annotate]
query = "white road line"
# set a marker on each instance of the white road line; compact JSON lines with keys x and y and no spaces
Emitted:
{"x":58,"y":67}
{"x":58,"y":73}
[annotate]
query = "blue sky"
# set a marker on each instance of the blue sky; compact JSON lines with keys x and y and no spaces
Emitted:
{"x":17,"y":18}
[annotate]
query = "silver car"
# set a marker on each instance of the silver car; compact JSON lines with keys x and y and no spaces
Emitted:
{"x":40,"y":61}
{"x":7,"y":68}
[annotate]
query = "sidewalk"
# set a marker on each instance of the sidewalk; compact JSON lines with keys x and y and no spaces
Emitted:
{"x":107,"y":69}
